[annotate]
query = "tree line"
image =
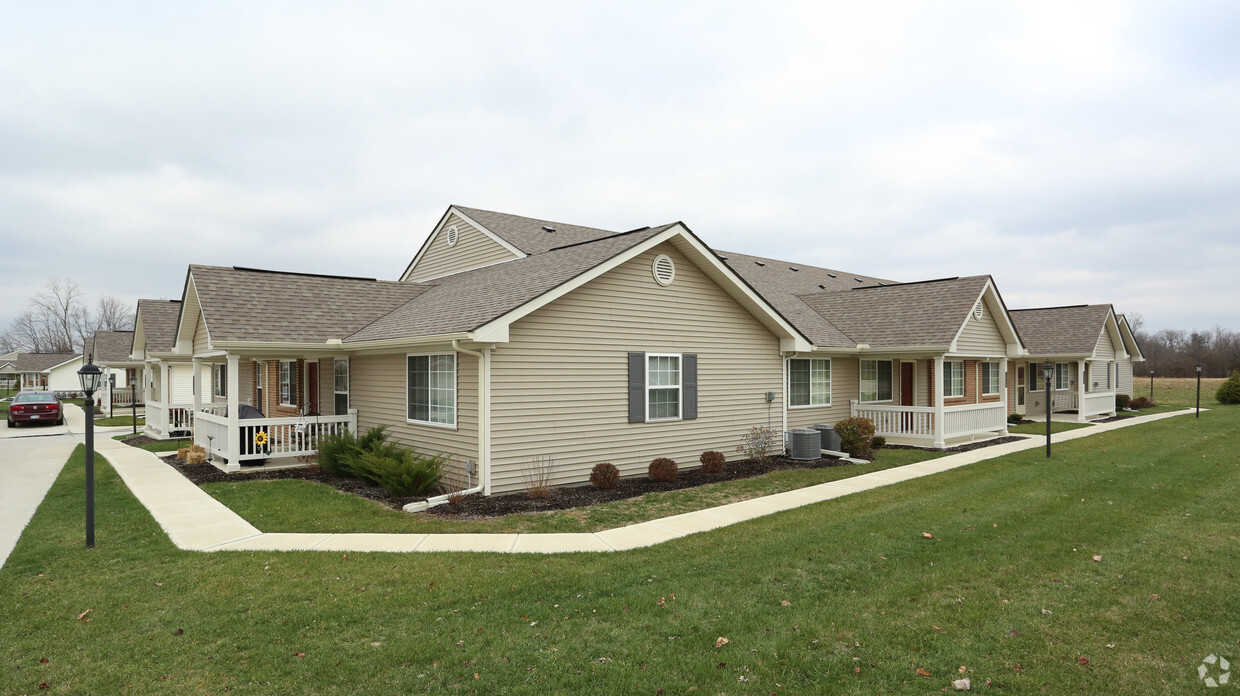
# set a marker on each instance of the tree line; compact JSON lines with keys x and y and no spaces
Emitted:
{"x":1177,"y":353}
{"x":58,"y":320}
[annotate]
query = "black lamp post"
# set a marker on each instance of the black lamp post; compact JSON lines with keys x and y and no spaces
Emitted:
{"x":1198,"y":390}
{"x":1151,"y":386}
{"x":133,"y":402}
{"x":90,"y":376}
{"x":1048,"y":371}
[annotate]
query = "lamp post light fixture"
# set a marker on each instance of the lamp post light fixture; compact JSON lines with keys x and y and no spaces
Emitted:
{"x":1048,"y":371}
{"x":133,"y":402}
{"x":90,"y":377}
{"x":1198,"y":390}
{"x":1151,"y":386}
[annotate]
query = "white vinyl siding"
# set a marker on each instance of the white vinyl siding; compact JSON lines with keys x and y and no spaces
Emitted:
{"x":662,"y":387}
{"x":953,"y":378}
{"x":809,"y":382}
{"x":875,"y":380}
{"x":990,"y":378}
{"x":431,"y":389}
{"x":473,"y":249}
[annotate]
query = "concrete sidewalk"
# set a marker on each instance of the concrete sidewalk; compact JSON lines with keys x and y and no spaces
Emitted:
{"x":197,"y":522}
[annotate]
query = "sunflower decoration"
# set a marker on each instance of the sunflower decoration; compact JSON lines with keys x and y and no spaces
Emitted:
{"x":260,"y":439}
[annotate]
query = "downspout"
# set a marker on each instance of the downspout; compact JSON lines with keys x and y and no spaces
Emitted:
{"x":484,"y":433}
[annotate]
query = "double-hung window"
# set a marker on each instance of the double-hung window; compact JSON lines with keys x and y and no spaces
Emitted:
{"x":875,"y":380}
{"x":288,"y":383}
{"x":1062,"y":379}
{"x":219,"y":374}
{"x":662,"y":387}
{"x":431,"y":382}
{"x":809,"y":382}
{"x":953,"y":378}
{"x":990,"y":378}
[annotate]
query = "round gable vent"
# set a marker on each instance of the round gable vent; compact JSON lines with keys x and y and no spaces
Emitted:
{"x":977,"y":310}
{"x":664,"y":270}
{"x":453,"y":236}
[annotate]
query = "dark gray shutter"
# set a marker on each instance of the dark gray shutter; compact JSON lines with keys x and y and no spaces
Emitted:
{"x":688,"y":377}
{"x":637,"y":387}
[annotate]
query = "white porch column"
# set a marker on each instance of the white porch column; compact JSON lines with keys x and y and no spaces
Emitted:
{"x":1003,"y":393}
{"x":234,"y":413}
{"x":197,"y":385}
{"x":939,"y":414}
{"x":1080,"y":391}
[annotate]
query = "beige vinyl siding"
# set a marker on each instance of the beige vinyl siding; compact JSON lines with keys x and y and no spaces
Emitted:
{"x":377,"y":391}
{"x":844,"y":386}
{"x":182,"y":388}
{"x":473,"y":249}
{"x":559,"y":388}
{"x":1125,"y":385}
{"x":200,"y":336}
{"x":1104,"y":349}
{"x":981,"y":337}
{"x":327,"y":392}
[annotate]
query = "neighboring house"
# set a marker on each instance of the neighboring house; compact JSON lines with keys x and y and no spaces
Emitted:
{"x":167,"y":378}
{"x":8,"y":370}
{"x":877,"y":347}
{"x":55,"y":372}
{"x":1092,"y":350}
{"x":110,"y":351}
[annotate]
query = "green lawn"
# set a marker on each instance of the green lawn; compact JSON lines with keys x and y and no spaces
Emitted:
{"x":1179,"y":390}
{"x":845,"y":596}
{"x":1040,"y":428}
{"x":305,"y":506}
{"x":120,"y":420}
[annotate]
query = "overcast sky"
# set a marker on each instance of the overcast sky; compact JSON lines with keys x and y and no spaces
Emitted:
{"x":1078,"y":152}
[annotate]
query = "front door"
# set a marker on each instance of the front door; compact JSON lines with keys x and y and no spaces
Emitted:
{"x":1020,"y":385}
{"x":906,"y":394}
{"x":312,"y":388}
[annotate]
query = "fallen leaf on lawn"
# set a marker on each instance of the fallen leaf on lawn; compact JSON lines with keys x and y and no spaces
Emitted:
{"x":1082,"y":660}
{"x":299,"y":654}
{"x":1017,"y":667}
{"x":84,"y":614}
{"x":785,"y":603}
{"x":961,"y":669}
{"x":1155,"y":596}
{"x":927,"y":535}
{"x":1013,"y":632}
{"x":604,"y":659}
{"x":962,"y":684}
{"x":1046,"y":611}
{"x":44,"y":661}
{"x":44,"y":685}
{"x":856,"y":670}
{"x":720,"y":642}
{"x":922,"y":672}
{"x":1111,"y":645}
{"x":476,"y":675}
{"x":178,"y":632}
{"x":935,"y":627}
{"x":1098,"y":559}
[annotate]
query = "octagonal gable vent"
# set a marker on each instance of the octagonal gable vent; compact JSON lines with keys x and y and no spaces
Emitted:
{"x":453,"y":236}
{"x":664,"y":270}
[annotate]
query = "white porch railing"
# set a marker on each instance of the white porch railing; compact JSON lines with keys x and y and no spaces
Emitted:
{"x":165,"y":420}
{"x":285,"y":437}
{"x":917,"y":422}
{"x":213,"y":409}
{"x":1097,"y":403}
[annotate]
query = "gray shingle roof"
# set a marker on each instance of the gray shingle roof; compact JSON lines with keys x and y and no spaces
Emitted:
{"x":111,"y":346}
{"x":466,"y":301}
{"x":1061,"y":330}
{"x":782,"y":287}
{"x":159,"y":323}
{"x":528,"y":235}
{"x":38,"y":362}
{"x":269,"y":306}
{"x":929,"y":313}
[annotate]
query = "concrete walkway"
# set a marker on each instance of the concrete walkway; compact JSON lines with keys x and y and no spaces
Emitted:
{"x":197,"y":522}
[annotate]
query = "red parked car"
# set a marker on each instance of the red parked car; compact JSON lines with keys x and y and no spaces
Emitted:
{"x":35,"y":407}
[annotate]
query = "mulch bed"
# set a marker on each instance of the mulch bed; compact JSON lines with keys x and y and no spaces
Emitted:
{"x":477,"y":507}
{"x":965,"y":448}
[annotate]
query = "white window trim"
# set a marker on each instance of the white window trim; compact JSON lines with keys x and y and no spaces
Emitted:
{"x":861,"y":382}
{"x":680,"y":387}
{"x":957,"y":366}
{"x":994,"y":383}
{"x":1067,"y":377}
{"x":456,"y":403}
{"x":292,"y":386}
{"x":830,"y":383}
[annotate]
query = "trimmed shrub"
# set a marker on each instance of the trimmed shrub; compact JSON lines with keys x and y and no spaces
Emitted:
{"x":605,"y":476}
{"x":196,"y":457}
{"x":1015,"y":418}
{"x":856,"y":436}
{"x":878,"y":441}
{"x":1122,"y":401}
{"x":662,"y":469}
{"x":1140,"y":402}
{"x":712,"y":462}
{"x":1229,"y":391}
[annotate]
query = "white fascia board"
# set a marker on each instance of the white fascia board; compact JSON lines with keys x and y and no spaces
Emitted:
{"x":440,"y":227}
{"x":389,"y":345}
{"x":185,"y":330}
{"x":1129,"y":339}
{"x":53,"y":367}
{"x":1111,"y":326}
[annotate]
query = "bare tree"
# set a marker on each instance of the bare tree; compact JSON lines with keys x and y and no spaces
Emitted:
{"x":61,"y":310}
{"x":112,"y":315}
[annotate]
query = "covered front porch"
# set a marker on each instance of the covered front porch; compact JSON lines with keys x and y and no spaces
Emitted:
{"x":251,"y":408}
{"x":1082,"y":388}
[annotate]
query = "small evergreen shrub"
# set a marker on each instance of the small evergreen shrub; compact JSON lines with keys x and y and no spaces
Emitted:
{"x":856,"y":436}
{"x":878,"y":442}
{"x":1140,"y":402}
{"x":712,"y":462}
{"x":662,"y":469}
{"x":399,"y":469}
{"x":1015,"y":418}
{"x":605,"y":476}
{"x":1122,"y":401}
{"x":1229,"y":391}
{"x":336,"y":450}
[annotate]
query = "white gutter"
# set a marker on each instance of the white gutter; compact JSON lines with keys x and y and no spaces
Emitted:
{"x":484,"y":433}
